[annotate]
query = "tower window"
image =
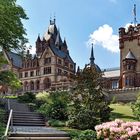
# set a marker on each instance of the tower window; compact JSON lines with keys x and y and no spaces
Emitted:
{"x":114,"y":84}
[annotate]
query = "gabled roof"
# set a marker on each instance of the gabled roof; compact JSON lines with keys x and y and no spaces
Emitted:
{"x":16,"y":59}
{"x":130,"y":55}
{"x":60,"y":53}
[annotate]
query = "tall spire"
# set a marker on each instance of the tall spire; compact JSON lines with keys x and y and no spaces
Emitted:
{"x":92,"y":56}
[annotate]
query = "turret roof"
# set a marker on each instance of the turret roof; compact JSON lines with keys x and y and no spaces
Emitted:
{"x":130,"y":55}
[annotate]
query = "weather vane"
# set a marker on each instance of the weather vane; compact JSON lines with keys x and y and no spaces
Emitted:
{"x":135,"y":15}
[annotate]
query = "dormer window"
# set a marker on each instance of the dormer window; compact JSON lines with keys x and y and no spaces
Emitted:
{"x":66,"y":64}
{"x":47,"y":60}
{"x":59,"y":62}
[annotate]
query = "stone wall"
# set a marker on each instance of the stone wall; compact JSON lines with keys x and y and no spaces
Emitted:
{"x":123,"y":95}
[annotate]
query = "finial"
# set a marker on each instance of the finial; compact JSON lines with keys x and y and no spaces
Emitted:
{"x":54,"y":18}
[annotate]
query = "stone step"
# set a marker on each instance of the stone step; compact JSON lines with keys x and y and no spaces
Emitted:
{"x":21,"y":112}
{"x":27,"y":118}
{"x":28,"y":121}
{"x":28,"y":124}
{"x":39,"y":138}
{"x":41,"y":134}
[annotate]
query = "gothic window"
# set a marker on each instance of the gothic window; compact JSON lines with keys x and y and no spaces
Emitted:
{"x":126,"y":81}
{"x":65,"y":73}
{"x":47,"y":60}
{"x":47,"y":70}
{"x":47,"y":83}
{"x":66,"y":64}
{"x":32,"y":73}
{"x":32,"y":85}
{"x":59,"y":71}
{"x":20,"y":75}
{"x":37,"y":72}
{"x":34,"y":64}
{"x":59,"y":61}
{"x":71,"y":66}
{"x":26,"y":74}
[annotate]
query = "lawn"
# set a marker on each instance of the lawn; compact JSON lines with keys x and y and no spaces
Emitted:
{"x":122,"y":111}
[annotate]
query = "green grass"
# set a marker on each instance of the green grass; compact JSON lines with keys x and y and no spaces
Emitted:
{"x":122,"y":111}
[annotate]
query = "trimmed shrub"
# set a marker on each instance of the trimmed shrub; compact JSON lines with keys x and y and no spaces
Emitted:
{"x":55,"y":106}
{"x":27,"y":97}
{"x":87,"y":135}
{"x":56,"y":123}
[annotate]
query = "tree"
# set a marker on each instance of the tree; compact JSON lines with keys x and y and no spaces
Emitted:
{"x":136,"y":107}
{"x":12,"y":35}
{"x":12,"y":32}
{"x":9,"y":79}
{"x":89,"y":106}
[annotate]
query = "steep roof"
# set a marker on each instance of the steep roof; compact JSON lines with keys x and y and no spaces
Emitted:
{"x":60,"y":53}
{"x":58,"y":40}
{"x":130,"y":55}
{"x":17,"y":60}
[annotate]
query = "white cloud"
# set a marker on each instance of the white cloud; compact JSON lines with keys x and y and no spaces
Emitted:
{"x":105,"y":38}
{"x":33,"y":50}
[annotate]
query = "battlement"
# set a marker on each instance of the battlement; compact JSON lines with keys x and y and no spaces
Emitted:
{"x":130,"y":31}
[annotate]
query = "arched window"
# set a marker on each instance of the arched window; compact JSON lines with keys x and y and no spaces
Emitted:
{"x":32,"y":85}
{"x":26,"y":86}
{"x":126,"y":81}
{"x":47,"y":83}
{"x":37,"y":84}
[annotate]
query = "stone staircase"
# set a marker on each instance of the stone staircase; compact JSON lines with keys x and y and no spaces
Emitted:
{"x":29,"y":125}
{"x":28,"y":119}
{"x":37,"y":133}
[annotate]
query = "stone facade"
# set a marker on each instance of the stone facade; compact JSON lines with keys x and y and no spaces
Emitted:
{"x":51,"y":68}
{"x":129,"y":71}
{"x":129,"y":56}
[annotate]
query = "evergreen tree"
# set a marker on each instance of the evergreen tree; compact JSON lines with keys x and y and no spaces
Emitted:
{"x":89,"y":106}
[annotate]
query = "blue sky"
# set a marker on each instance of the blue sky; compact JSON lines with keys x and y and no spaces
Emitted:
{"x":81,"y":22}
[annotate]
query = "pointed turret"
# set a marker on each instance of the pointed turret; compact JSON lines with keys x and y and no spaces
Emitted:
{"x":78,"y":70}
{"x":38,"y":39}
{"x":92,"y":57}
{"x":58,"y":40}
{"x":65,"y":44}
{"x":130,"y":55}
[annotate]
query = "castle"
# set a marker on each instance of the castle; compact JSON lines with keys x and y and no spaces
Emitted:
{"x":51,"y":68}
{"x":128,"y":75}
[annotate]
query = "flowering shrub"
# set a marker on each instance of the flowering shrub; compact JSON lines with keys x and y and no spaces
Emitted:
{"x":118,"y":130}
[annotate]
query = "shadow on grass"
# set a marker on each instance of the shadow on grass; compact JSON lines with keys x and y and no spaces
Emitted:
{"x":115,"y":115}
